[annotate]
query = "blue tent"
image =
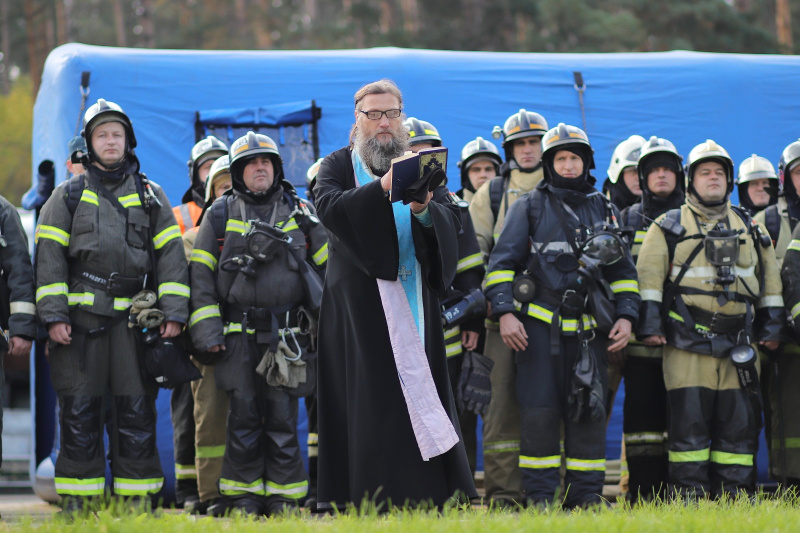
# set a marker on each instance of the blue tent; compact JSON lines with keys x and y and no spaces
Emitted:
{"x":303,"y":99}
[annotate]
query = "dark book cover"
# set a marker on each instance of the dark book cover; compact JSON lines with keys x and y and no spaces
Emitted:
{"x":410,"y":167}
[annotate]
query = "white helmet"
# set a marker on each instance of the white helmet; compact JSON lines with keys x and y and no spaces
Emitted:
{"x":625,"y":155}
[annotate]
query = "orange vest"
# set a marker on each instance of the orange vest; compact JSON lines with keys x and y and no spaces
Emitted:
{"x":186,"y":215}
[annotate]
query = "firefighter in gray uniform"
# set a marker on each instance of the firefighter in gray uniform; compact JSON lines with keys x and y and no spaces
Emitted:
{"x":248,"y":269}
{"x":17,"y":310}
{"x":100,"y":235}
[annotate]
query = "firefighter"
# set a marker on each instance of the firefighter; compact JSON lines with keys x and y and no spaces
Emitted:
{"x":210,"y":405}
{"x":560,"y":249}
{"x":202,"y":156}
{"x":780,"y":393}
{"x":757,"y":183}
{"x":711,"y":294}
{"x":18,"y":324}
{"x":622,"y":186}
{"x":253,"y":317}
{"x":661,"y":181}
{"x":461,"y":333}
{"x":480,"y":162}
{"x":101,"y":236}
{"x":522,"y":143}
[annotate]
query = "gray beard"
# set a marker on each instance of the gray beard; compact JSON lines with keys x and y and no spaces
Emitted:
{"x":377,"y":155}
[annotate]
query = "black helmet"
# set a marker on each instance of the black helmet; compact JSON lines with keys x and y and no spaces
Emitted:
{"x":208,"y":149}
{"x":100,"y":113}
{"x":521,"y":124}
{"x":247,"y":147}
{"x":476,"y":150}
{"x":420,"y":131}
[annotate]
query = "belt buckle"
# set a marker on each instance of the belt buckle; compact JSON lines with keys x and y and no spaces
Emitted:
{"x":111,"y":284}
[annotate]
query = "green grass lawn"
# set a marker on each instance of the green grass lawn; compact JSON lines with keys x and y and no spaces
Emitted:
{"x":770,"y":515}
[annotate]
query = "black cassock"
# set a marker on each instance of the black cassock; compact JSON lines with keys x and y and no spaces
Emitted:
{"x":366,"y":444}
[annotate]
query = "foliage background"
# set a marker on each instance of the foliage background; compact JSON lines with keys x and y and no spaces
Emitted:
{"x":29,"y":29}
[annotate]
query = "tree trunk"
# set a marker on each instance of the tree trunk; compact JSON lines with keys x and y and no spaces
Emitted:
{"x":148,"y":27}
{"x":783,"y":21}
{"x":5,"y":47}
{"x":119,"y":24}
{"x":36,"y":36}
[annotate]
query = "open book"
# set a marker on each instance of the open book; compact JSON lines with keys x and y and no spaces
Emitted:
{"x":413,"y":175}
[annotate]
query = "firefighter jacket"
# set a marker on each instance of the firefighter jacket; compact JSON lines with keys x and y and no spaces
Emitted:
{"x":779,"y":224}
{"x":487,"y":224}
{"x":220,"y":282}
{"x":17,"y":275}
{"x":697,"y":314}
{"x":533,"y":238}
{"x":78,"y":252}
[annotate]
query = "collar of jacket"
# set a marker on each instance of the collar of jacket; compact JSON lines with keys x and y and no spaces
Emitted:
{"x":525,"y":181}
{"x":710,"y":213}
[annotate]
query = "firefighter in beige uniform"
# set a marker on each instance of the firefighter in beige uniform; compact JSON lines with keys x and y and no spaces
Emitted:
{"x":710,"y":293}
{"x":781,"y":395}
{"x":522,"y":171}
{"x":210,"y":404}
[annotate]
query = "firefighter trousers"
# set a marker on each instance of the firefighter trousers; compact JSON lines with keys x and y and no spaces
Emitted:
{"x":644,"y":423}
{"x":85,"y":374}
{"x":543,"y":383}
{"x":713,"y":433}
{"x":501,"y":424}
{"x":183,"y":437}
{"x":210,"y":414}
{"x":781,"y":374}
{"x":262,"y":453}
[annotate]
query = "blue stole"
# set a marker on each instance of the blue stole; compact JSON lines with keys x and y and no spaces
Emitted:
{"x":409,"y":270}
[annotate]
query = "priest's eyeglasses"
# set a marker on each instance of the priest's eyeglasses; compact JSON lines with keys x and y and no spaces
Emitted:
{"x":376,"y":115}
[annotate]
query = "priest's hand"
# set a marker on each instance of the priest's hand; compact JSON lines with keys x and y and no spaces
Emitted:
{"x":418,"y":208}
{"x":513,"y":332}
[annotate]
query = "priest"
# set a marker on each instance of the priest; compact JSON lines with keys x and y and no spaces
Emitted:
{"x":388,"y":427}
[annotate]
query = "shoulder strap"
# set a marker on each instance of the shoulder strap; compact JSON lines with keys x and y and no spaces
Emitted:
{"x":772,"y":220}
{"x":497,"y":187}
{"x":74,"y":191}
{"x":218,"y":214}
{"x":672,"y":237}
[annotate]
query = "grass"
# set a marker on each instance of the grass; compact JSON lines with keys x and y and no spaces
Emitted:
{"x":741,"y":515}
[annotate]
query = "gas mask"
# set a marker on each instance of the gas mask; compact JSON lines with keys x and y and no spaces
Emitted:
{"x":264,"y":242}
{"x":722,"y":250}
{"x":603,"y":248}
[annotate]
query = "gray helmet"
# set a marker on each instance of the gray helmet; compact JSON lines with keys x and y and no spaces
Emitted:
{"x":790,"y":157}
{"x":206,"y":149}
{"x":564,"y":136}
{"x":709,"y":151}
{"x":101,"y":112}
{"x":420,"y":131}
{"x":625,"y":155}
{"x":521,"y":124}
{"x":311,"y":173}
{"x":249,"y":146}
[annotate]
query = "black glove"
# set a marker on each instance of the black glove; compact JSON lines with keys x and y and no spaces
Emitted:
{"x":474,"y":384}
{"x":418,"y":191}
